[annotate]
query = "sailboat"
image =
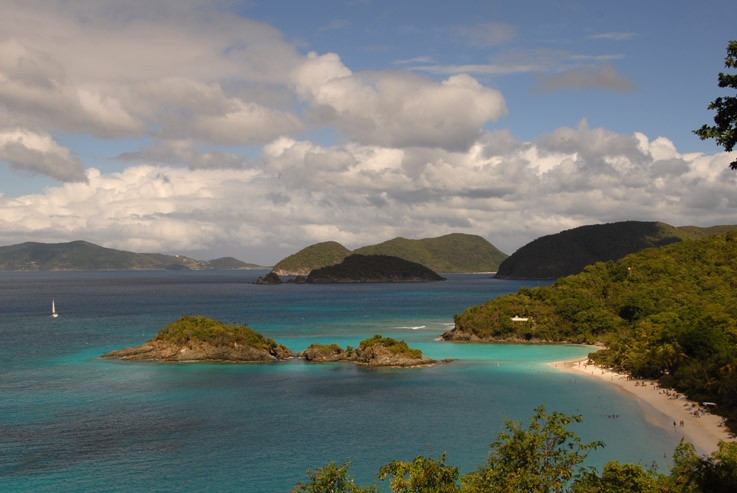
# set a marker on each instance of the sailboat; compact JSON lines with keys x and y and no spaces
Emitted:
{"x":53,"y":310}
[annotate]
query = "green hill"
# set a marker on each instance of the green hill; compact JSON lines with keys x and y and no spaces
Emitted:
{"x":568,"y":252}
{"x":82,"y":255}
{"x":668,"y":313}
{"x":373,"y":268}
{"x":312,"y":257}
{"x":450,"y":253}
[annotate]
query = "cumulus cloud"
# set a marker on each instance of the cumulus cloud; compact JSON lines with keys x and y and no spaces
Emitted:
{"x":397,"y":109}
{"x":298,"y":192}
{"x":38,"y":153}
{"x":36,"y":91}
{"x":605,"y":77}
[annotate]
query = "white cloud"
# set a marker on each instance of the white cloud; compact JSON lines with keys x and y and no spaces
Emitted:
{"x":36,"y":91}
{"x":36,"y":152}
{"x":397,"y":109}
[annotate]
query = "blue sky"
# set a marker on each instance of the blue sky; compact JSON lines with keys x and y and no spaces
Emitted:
{"x":253,"y":129}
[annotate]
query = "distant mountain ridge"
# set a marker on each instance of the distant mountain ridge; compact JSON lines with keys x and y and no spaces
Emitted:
{"x":452,"y":253}
{"x":85,"y":256}
{"x":568,"y":252}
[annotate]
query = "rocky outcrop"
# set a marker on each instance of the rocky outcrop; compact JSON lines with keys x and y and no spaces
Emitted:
{"x":155,"y":350}
{"x":298,"y":280}
{"x":270,"y":278}
{"x":374,"y":352}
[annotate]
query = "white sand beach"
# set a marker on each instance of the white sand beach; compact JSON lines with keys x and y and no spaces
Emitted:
{"x":663,"y":407}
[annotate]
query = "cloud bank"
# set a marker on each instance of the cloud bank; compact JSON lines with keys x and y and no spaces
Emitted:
{"x":298,"y":192}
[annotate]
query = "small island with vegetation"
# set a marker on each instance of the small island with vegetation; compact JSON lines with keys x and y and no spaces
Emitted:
{"x":373,"y":268}
{"x":197,"y":338}
{"x":375,"y":351}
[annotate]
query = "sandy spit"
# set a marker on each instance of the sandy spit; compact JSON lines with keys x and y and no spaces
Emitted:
{"x":663,"y":407}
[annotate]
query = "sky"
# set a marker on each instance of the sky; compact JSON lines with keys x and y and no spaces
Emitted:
{"x":256,"y":128}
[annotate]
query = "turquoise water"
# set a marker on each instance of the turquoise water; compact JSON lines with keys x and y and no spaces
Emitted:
{"x":72,"y":421}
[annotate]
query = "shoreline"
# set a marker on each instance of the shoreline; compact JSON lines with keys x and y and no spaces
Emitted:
{"x":664,"y":407}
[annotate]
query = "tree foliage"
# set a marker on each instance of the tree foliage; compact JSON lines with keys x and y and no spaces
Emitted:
{"x":724,"y":130}
{"x":544,"y":457}
{"x":331,"y":479}
{"x":422,"y":475}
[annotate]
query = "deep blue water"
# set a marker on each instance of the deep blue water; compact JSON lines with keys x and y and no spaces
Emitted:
{"x":70,"y":420}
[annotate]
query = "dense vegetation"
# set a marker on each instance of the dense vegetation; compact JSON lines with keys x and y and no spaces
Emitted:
{"x":450,"y":253}
{"x":198,"y":328}
{"x":543,"y":457}
{"x":568,"y":252}
{"x":667,"y":313}
{"x":373,"y":268}
{"x":82,"y":255}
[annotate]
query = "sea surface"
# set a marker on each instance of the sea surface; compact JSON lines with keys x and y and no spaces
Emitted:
{"x":71,"y":421}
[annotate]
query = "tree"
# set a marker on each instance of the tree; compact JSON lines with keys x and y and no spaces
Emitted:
{"x":620,"y":478}
{"x":545,"y":457}
{"x":725,"y":130}
{"x":423,"y":475}
{"x":331,"y":479}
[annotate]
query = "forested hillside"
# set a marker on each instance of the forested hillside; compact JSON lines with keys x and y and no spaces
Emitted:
{"x":450,"y":253}
{"x":312,"y":257}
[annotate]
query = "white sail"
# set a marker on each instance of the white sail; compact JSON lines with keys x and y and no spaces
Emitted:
{"x":53,"y":310}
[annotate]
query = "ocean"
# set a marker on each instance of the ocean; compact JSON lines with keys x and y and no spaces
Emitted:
{"x":70,"y":420}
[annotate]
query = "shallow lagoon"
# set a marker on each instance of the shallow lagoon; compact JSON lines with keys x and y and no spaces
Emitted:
{"x":70,"y":420}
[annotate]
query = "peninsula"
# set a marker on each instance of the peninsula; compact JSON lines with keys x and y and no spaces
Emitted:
{"x":569,"y":252}
{"x":196,"y":338}
{"x":666,"y":314}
